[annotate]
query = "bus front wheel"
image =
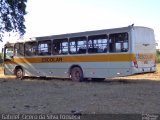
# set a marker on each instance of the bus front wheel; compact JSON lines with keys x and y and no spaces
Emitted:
{"x":76,"y":74}
{"x":19,"y":73}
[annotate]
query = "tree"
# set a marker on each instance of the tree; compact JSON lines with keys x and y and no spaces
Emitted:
{"x":12,"y":16}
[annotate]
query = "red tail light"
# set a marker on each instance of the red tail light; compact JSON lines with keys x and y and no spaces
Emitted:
{"x":135,"y":63}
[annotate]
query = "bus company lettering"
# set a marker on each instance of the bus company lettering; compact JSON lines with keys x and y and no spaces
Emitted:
{"x":145,"y":56}
{"x":55,"y":59}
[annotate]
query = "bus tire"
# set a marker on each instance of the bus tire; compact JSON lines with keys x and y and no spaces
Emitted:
{"x":76,"y":74}
{"x":19,"y":73}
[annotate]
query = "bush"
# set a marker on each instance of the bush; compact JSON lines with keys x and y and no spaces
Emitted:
{"x":158,"y":57}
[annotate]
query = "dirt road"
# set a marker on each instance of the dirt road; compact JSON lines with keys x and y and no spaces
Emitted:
{"x":134,"y":94}
{"x":58,"y":96}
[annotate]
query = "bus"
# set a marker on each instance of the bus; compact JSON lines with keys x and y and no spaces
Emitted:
{"x":93,"y":55}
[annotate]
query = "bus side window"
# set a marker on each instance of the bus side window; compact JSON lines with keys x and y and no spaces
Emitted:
{"x":125,"y":47}
{"x":56,"y":48}
{"x":78,"y":45}
{"x":60,"y":46}
{"x":118,"y":42}
{"x":64,"y":48}
{"x":30,"y":48}
{"x":125,"y":44}
{"x":97,"y":44}
{"x":44,"y":47}
{"x":19,"y":49}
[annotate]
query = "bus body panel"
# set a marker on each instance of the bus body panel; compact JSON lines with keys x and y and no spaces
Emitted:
{"x":104,"y":65}
{"x":144,"y":48}
{"x":9,"y":69}
{"x":90,"y":70}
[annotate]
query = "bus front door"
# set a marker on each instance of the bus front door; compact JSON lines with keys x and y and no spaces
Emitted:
{"x":8,"y":60}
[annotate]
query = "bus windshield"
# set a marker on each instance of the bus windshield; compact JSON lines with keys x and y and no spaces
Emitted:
{"x":9,"y":53}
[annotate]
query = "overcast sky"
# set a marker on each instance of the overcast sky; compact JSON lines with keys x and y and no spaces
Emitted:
{"x":50,"y":17}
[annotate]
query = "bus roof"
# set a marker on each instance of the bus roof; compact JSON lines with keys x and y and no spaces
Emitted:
{"x":82,"y":34}
{"x":88,"y":33}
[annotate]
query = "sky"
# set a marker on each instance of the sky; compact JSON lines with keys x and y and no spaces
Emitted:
{"x":52,"y":17}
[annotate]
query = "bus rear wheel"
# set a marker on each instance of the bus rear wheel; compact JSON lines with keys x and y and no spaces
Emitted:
{"x":76,"y":74}
{"x":19,"y":73}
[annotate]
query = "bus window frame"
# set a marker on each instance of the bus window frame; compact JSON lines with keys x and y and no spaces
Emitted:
{"x":113,"y":44}
{"x":58,"y":44}
{"x":49,"y":47}
{"x":79,"y":49}
{"x":98,"y":37}
{"x":19,"y":49}
{"x":36,"y":52}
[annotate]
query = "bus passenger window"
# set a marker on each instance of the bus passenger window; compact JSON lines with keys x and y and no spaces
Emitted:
{"x":60,"y":46}
{"x":118,"y":42}
{"x":44,"y":47}
{"x":73,"y":47}
{"x":118,"y":47}
{"x":77,"y":45}
{"x":19,"y":49}
{"x":30,"y":48}
{"x":125,"y":47}
{"x":64,"y":48}
{"x":97,"y":44}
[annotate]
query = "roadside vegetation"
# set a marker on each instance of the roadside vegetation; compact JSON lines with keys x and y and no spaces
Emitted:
{"x":1,"y":59}
{"x":158,"y":56}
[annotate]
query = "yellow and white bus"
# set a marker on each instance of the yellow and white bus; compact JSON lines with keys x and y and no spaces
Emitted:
{"x":96,"y":54}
